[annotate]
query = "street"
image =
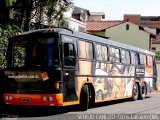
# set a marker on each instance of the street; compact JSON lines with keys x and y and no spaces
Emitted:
{"x":148,"y":106}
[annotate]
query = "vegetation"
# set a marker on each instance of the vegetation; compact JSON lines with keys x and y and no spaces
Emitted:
{"x":41,"y":12}
{"x":24,"y":15}
{"x":6,"y":31}
{"x":158,"y":55}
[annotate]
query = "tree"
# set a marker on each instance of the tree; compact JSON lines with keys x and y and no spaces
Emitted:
{"x":6,"y":31}
{"x":21,"y":12}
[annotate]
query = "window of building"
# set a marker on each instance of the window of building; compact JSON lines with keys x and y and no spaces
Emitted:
{"x":127,"y":26}
{"x":153,"y":48}
{"x":103,"y":16}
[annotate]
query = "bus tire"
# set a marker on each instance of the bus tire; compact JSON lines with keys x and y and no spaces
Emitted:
{"x":135,"y":92}
{"x":142,"y":92}
{"x":84,"y":98}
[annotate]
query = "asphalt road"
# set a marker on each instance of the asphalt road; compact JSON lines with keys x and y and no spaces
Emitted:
{"x":148,"y":108}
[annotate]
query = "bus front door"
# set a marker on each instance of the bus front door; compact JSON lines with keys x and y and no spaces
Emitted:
{"x":69,"y":62}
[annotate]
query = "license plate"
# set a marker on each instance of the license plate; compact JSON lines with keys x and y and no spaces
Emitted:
{"x":26,"y":100}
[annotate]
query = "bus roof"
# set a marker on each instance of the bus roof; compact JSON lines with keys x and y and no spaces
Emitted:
{"x":89,"y":37}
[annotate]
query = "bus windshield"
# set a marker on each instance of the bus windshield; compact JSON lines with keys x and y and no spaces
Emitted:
{"x":40,"y":52}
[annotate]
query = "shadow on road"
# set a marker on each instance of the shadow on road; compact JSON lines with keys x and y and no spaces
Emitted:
{"x":27,"y":111}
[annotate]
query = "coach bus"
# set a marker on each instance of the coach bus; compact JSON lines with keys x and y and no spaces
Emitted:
{"x":61,"y":67}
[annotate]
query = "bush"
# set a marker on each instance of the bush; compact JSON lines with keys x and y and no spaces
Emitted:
{"x":6,"y":31}
{"x":158,"y":55}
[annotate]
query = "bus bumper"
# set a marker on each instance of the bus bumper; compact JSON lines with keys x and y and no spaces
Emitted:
{"x":34,"y":100}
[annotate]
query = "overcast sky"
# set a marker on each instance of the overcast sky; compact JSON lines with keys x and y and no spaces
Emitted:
{"x":115,"y":9}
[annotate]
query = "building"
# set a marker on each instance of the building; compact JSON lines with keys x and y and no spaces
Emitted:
{"x":122,"y":31}
{"x":150,"y":24}
{"x":96,"y":16}
{"x":76,"y":18}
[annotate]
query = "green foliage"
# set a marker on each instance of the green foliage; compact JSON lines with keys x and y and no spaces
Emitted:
{"x":6,"y":31}
{"x":32,"y":14}
{"x":158,"y":55}
{"x":10,"y":2}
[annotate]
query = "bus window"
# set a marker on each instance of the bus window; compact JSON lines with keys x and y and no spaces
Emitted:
{"x":128,"y":57}
{"x":85,"y":50}
{"x":69,"y":54}
{"x":123,"y":56}
{"x":145,"y":60}
{"x":101,"y":52}
{"x":89,"y":50}
{"x":19,"y":53}
{"x":82,"y":49}
{"x":132,"y":58}
{"x":137,"y":59}
{"x":114,"y":55}
{"x":141,"y":56}
{"x":149,"y":61}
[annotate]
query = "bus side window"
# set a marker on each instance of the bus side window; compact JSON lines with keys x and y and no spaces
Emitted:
{"x":137,"y":61}
{"x":123,"y":56}
{"x":114,"y":54}
{"x":85,"y":50}
{"x":69,"y":54}
{"x":149,"y":61}
{"x":145,"y":60}
{"x":133,"y":58}
{"x":141,"y":57}
{"x":101,"y":52}
{"x":128,"y":57}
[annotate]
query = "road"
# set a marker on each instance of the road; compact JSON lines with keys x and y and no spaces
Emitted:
{"x":106,"y":110}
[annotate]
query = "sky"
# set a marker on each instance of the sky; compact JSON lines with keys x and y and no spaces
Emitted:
{"x":115,"y":9}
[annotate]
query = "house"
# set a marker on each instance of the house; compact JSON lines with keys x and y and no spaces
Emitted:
{"x":96,"y":16}
{"x":76,"y":18}
{"x":149,"y":23}
{"x":122,"y":31}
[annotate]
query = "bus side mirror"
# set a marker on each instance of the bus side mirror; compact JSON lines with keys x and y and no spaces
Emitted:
{"x":69,"y":54}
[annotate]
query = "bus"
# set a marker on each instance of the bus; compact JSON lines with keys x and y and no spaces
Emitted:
{"x":62,"y":67}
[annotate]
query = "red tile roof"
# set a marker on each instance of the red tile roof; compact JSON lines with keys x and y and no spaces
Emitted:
{"x":101,"y":25}
{"x":151,"y":24}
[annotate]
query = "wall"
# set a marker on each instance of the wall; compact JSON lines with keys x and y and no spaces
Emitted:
{"x":133,"y":36}
{"x":157,"y":46}
{"x":152,"y":30}
{"x":102,"y":33}
{"x":95,"y":18}
{"x":75,"y":24}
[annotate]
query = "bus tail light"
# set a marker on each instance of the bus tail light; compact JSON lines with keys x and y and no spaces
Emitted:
{"x":44,"y":98}
{"x":8,"y":98}
{"x":50,"y":99}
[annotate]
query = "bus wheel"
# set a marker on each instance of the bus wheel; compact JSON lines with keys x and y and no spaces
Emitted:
{"x":84,"y":98}
{"x":142,"y":92}
{"x":135,"y":92}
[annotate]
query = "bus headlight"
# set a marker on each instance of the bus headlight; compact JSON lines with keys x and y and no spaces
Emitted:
{"x":44,"y":99}
{"x":50,"y":98}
